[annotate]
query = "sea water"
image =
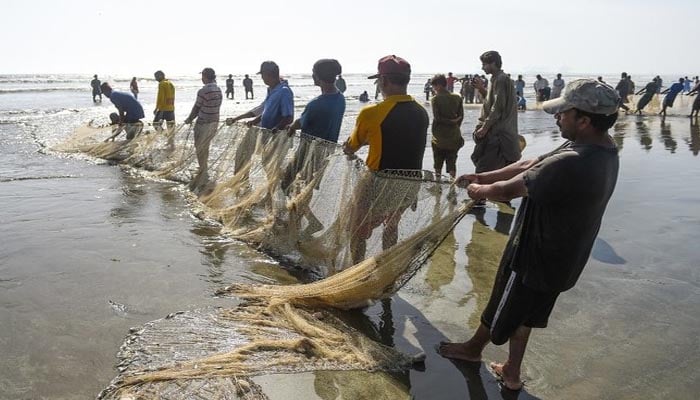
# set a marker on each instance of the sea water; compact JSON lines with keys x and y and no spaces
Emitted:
{"x":89,"y":249}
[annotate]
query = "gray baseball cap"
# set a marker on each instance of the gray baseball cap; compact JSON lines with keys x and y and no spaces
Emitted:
{"x":587,"y":95}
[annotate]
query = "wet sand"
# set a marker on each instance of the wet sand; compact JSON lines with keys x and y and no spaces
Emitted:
{"x":91,"y":249}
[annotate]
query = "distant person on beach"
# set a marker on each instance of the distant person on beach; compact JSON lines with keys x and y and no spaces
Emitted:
{"x":129,"y":109}
{"x":396,"y":131}
{"x":632,"y":87}
{"x":340,"y":84}
{"x":451,"y":82}
{"x":134,"y":87}
{"x":96,"y":92}
{"x":165,"y":102}
{"x":649,"y":91}
{"x":696,"y":104}
{"x":448,"y":114}
{"x":660,"y":83}
{"x":496,"y":134}
{"x":364,"y":97}
{"x":557,"y":86}
{"x":542,"y":89}
{"x":248,"y":86}
{"x":206,"y":111}
{"x":623,"y":89}
{"x":522,"y":103}
{"x":277,"y":111}
{"x":229,"y":86}
{"x":427,"y":89}
{"x":323,"y":116}
{"x":520,"y":86}
{"x":686,"y":85}
{"x":564,"y":196}
{"x":671,"y":94}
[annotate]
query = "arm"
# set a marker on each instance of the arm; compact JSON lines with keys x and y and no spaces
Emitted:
{"x":284,"y":122}
{"x":503,"y":174}
{"x":193,"y":114}
{"x":160,"y":99}
{"x":292,"y":129}
{"x":255,"y":112}
{"x":499,"y":191}
{"x":498,"y":91}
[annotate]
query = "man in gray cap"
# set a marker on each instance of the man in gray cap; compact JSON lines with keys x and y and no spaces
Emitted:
{"x":565,"y":193}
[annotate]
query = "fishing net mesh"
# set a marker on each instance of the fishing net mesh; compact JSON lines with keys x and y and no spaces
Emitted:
{"x":301,"y":200}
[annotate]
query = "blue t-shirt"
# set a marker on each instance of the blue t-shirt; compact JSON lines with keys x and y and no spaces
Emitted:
{"x":127,"y":103}
{"x":323,"y":115}
{"x":673,"y":91}
{"x":278,"y":104}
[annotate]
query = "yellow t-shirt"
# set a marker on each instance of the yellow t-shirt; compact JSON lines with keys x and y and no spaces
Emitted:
{"x":395,"y":131}
{"x":166,"y":96}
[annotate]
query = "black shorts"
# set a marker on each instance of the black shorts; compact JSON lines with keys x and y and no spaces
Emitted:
{"x":164,"y":115}
{"x":512,"y":304}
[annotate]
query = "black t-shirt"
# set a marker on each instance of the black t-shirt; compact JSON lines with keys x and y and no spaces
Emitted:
{"x":568,"y":191}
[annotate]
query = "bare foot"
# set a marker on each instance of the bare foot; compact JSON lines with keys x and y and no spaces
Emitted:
{"x":458,"y":351}
{"x":510,"y":379}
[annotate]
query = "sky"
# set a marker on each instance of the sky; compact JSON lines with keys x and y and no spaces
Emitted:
{"x":138,"y":37}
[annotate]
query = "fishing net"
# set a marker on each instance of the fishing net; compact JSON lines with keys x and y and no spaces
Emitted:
{"x":300,"y":199}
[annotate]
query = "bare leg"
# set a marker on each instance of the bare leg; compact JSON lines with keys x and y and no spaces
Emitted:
{"x":469,"y":350}
{"x":510,"y":371}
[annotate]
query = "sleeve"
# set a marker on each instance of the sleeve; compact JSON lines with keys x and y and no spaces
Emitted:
{"x":257,"y":111}
{"x":359,"y":135}
{"x":200,"y":98}
{"x":307,"y":115}
{"x":160,"y":98}
{"x":552,"y":180}
{"x":498,"y":91}
{"x":287,"y":104}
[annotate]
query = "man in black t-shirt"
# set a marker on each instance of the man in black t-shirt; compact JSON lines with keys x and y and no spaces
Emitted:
{"x":565,"y":193}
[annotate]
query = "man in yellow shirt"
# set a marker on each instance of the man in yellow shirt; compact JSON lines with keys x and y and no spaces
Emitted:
{"x":396,"y":131}
{"x":165,"y":102}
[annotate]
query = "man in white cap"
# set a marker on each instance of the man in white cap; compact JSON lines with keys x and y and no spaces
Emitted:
{"x":565,"y":193}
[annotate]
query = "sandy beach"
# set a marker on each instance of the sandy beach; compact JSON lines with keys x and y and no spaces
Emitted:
{"x":90,"y":249}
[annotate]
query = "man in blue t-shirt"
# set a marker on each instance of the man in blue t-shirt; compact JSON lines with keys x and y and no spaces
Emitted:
{"x":277,"y":111}
{"x":321,"y":118}
{"x":323,"y":115}
{"x":672,"y":92}
{"x":130,"y":110}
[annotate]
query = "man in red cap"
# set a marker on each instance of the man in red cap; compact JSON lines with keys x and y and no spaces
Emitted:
{"x":395,"y":131}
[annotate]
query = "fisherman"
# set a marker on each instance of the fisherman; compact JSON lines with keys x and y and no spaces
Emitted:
{"x":396,"y":131}
{"x":130,"y":111}
{"x":565,"y":193}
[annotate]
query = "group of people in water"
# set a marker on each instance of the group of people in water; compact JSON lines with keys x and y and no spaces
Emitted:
{"x":557,"y":221}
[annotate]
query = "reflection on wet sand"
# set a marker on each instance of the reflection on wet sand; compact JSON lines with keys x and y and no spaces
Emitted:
{"x":694,"y":140}
{"x":670,"y":143}
{"x":484,"y":253}
{"x":332,"y":385}
{"x":643,"y":134}
{"x":619,"y":131}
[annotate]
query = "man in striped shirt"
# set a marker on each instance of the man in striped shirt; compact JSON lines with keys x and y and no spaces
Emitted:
{"x":206,"y":111}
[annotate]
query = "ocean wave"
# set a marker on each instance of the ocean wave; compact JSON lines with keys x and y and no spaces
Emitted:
{"x":44,"y":89}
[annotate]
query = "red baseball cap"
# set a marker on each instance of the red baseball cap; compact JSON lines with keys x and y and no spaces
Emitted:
{"x":392,"y":65}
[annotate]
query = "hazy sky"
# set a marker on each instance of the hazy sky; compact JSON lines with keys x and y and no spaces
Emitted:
{"x":137,"y":37}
